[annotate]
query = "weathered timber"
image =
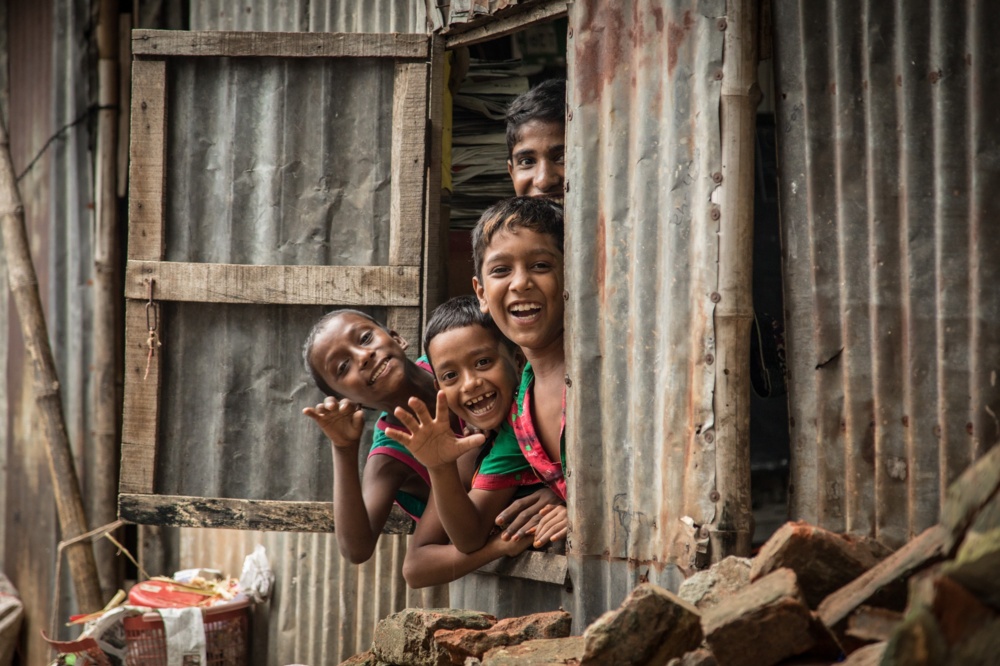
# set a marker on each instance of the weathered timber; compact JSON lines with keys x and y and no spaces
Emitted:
{"x":492,"y":27}
{"x":160,"y":43}
{"x":23,"y":282}
{"x":530,"y":565}
{"x":183,"y":511}
{"x":283,"y":285}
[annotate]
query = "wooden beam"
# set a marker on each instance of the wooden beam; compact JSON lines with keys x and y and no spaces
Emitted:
{"x":147,"y":158}
{"x":281,"y":285}
{"x":462,"y":35}
{"x":141,"y":410}
{"x":161,"y":43}
{"x":531,"y":565}
{"x":435,"y":285}
{"x":184,"y":511}
{"x":408,"y":164}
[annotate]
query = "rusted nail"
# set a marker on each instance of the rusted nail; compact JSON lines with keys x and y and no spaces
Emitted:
{"x":716,"y":213}
{"x":569,"y":33}
{"x":935,"y":76}
{"x":569,"y":116}
{"x":969,"y":428}
{"x":718,"y":75}
{"x":569,"y":382}
{"x":937,"y":430}
{"x":399,"y":271}
{"x":566,"y":186}
{"x":721,"y":24}
{"x":709,"y":359}
{"x":703,"y":532}
{"x":714,"y":496}
{"x":715,"y":297}
{"x":565,"y":295}
{"x":709,"y":436}
{"x":717,"y":177}
{"x":143,"y":105}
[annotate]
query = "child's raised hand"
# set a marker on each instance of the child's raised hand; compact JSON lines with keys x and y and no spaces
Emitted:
{"x":431,"y":439}
{"x":523,"y":514}
{"x":552,"y":526}
{"x":343,"y":421}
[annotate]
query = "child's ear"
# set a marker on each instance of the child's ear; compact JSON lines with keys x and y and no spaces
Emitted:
{"x":510,"y":169}
{"x":481,"y":295}
{"x":400,"y":340}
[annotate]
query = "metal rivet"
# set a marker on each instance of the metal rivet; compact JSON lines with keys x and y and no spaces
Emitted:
{"x":709,"y":436}
{"x":709,"y":359}
{"x":717,"y":177}
{"x":565,"y":295}
{"x":716,"y":213}
{"x":569,"y":382}
{"x":721,"y":24}
{"x":569,"y":33}
{"x":715,"y":297}
{"x":718,"y":75}
{"x":714,"y":496}
{"x":569,"y":116}
{"x":143,"y":106}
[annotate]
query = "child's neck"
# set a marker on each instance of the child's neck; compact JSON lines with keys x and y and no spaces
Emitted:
{"x":549,"y":360}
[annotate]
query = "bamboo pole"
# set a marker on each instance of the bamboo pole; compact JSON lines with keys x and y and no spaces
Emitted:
{"x":24,"y":287}
{"x":732,"y":531}
{"x":103,"y":461}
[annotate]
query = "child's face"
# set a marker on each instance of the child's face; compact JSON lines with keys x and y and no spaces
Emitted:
{"x":360,"y":360}
{"x":476,"y":373}
{"x":522,"y":287}
{"x":537,"y":161}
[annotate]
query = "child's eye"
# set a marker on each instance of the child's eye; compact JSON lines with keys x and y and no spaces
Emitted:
{"x":342,"y":368}
{"x":526,"y":162}
{"x":541,"y":266}
{"x":499,"y":271}
{"x":483,"y":362}
{"x":366,"y":337}
{"x":448,"y":376}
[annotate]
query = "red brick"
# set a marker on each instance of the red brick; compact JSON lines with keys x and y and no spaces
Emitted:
{"x":460,"y":644}
{"x":406,"y":638}
{"x":544,"y":652}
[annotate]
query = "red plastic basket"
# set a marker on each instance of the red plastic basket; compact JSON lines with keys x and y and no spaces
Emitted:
{"x":225,"y":636}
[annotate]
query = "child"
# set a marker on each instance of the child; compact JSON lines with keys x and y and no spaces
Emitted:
{"x":517,"y":249}
{"x":357,"y":363}
{"x":475,"y":370}
{"x":536,"y":126}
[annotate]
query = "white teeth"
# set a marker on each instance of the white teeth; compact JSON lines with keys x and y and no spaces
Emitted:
{"x":524,"y":307}
{"x":472,"y":404}
{"x":378,"y":371}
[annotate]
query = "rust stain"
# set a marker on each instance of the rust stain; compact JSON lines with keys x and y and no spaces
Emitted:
{"x":600,"y":241}
{"x":602,"y":44}
{"x":675,"y":37}
{"x":658,"y":18}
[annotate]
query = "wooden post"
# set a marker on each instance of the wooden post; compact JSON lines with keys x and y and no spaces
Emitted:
{"x":24,"y":288}
{"x":732,"y":531}
{"x":108,"y":299}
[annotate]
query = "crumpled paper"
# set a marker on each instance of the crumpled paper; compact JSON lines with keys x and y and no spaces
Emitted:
{"x":257,"y":578}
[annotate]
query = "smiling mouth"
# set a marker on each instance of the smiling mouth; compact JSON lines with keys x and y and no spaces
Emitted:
{"x":378,"y":371}
{"x":483,"y":404}
{"x":525,"y":311}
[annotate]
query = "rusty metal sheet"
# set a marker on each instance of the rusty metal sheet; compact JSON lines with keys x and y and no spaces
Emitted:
{"x":383,"y":16}
{"x":643,"y":141}
{"x":889,"y":151}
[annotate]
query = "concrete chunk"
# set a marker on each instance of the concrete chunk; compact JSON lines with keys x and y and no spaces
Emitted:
{"x":651,"y":627}
{"x":706,"y":589}
{"x":823,"y":561}
{"x":544,"y":652}
{"x":406,"y":638}
{"x":463,"y":644}
{"x":766,"y":622}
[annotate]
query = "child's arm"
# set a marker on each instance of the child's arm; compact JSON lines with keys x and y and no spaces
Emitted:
{"x":467,"y":517}
{"x":431,"y":560}
{"x":552,"y":526}
{"x":357,"y":531}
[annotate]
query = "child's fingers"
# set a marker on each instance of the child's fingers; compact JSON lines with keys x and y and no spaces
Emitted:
{"x":398,"y":436}
{"x":442,"y":407}
{"x":470,"y":442}
{"x":407,"y":419}
{"x":420,"y":409}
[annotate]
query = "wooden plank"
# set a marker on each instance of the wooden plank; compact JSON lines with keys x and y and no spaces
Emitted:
{"x":147,"y":157}
{"x":530,"y":565}
{"x":141,"y":403}
{"x":463,"y":35}
{"x":435,"y":229}
{"x":184,"y":511}
{"x":283,"y":285}
{"x":408,"y":165}
{"x":160,"y":43}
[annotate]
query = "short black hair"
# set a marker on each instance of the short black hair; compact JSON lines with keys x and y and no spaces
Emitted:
{"x":314,"y":332}
{"x":545,"y":102}
{"x":459,"y":312}
{"x":539,"y":214}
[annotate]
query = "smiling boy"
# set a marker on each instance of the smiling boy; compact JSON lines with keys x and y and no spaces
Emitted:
{"x":536,"y":128}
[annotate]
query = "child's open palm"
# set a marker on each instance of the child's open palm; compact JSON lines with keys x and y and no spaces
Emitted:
{"x":431,"y":439}
{"x":343,"y":421}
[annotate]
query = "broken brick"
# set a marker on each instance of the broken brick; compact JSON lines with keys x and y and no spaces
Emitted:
{"x":543,"y":652}
{"x":651,"y":627}
{"x":406,"y":638}
{"x":706,"y":589}
{"x":461,"y":644}
{"x":823,"y":561}
{"x":870,"y":624}
{"x":762,"y":624}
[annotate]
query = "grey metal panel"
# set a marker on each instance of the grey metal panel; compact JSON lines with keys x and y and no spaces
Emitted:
{"x":269,"y":162}
{"x":641,"y":264}
{"x":406,"y":16}
{"x":889,"y":155}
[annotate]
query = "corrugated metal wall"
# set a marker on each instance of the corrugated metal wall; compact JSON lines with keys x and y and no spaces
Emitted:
{"x":889,"y":151}
{"x":641,"y":266}
{"x":324,"y":608}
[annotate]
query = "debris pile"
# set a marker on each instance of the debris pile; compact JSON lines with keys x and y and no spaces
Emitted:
{"x":809,"y":597}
